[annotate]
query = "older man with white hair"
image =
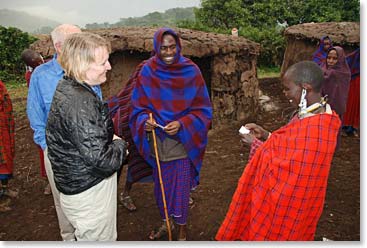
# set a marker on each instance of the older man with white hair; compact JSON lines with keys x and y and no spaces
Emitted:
{"x":41,"y":90}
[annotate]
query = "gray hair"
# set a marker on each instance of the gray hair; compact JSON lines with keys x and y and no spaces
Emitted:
{"x":306,"y":72}
{"x":60,"y":33}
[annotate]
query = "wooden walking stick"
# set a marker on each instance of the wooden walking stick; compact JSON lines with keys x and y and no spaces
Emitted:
{"x":160,"y":181}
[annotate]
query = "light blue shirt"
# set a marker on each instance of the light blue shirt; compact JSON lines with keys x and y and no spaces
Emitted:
{"x":42,"y":88}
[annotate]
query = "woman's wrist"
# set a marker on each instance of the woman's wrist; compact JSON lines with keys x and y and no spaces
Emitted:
{"x":266,"y":134}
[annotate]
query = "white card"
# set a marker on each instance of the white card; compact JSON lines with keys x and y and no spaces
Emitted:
{"x":244,"y":130}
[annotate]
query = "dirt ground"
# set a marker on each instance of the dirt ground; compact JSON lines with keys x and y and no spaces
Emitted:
{"x":33,"y":217}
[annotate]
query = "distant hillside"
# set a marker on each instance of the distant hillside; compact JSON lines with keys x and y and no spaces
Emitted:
{"x":26,"y":22}
{"x":170,"y":17}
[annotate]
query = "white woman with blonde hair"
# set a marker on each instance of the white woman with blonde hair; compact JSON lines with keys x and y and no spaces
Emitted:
{"x":83,"y":150}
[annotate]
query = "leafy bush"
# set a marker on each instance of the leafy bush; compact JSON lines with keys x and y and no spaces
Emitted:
{"x":272,"y":44}
{"x":12,"y":42}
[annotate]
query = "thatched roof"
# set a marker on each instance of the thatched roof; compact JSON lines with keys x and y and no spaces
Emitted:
{"x":194,"y":43}
{"x":339,"y":32}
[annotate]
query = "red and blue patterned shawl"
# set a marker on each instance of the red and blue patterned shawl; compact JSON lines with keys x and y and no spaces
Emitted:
{"x":353,"y":61}
{"x":119,"y":108}
{"x":175,"y":92}
{"x":320,"y":55}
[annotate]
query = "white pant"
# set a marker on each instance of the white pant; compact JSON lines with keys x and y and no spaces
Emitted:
{"x":93,"y":212}
{"x":67,"y":231}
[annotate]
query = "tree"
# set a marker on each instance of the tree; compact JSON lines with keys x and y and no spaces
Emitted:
{"x":259,"y":20}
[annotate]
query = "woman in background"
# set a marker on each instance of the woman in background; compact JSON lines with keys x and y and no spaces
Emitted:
{"x":336,"y":84}
{"x":321,"y":53}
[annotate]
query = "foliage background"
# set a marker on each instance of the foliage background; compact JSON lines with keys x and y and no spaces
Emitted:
{"x":12,"y":43}
{"x":263,"y":21}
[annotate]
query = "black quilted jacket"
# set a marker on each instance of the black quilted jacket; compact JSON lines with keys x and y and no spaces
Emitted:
{"x":79,"y":136}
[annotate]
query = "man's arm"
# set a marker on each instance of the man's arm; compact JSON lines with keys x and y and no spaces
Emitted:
{"x":36,"y":111}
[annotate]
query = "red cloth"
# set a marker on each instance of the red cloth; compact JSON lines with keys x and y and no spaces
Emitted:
{"x":7,"y":129}
{"x":281,"y":193}
{"x":352,"y":114}
{"x":42,"y":163}
{"x":254,"y":146}
{"x":27,"y":77}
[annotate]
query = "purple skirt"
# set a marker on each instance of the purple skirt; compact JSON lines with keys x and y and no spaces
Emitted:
{"x":178,"y":178}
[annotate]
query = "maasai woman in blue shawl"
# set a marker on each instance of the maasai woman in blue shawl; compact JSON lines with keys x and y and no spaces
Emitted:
{"x":321,"y":53}
{"x":172,"y":88}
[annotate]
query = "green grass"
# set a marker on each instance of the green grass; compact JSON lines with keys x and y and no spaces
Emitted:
{"x":268,"y":72}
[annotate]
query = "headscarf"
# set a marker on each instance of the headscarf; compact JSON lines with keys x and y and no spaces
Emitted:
{"x":320,"y":55}
{"x":336,"y":82}
{"x":171,"y":92}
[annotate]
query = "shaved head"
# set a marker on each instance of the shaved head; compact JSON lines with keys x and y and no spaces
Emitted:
{"x":306,"y":72}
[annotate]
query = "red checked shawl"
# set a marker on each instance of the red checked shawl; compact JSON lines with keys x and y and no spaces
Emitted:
{"x":280,"y":195}
{"x":7,"y":141}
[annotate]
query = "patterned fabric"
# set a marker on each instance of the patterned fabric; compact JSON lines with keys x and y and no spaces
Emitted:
{"x":7,"y":134}
{"x":352,"y":113}
{"x":320,"y":55}
{"x":178,"y":179}
{"x":175,"y":92}
{"x":256,"y":143}
{"x":119,"y":107}
{"x":336,"y":83}
{"x":281,"y":193}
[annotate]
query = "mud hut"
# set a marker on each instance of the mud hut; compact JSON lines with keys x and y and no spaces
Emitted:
{"x":302,"y":39}
{"x":228,"y":65}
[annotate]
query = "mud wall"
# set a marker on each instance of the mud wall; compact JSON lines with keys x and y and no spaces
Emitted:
{"x":228,"y":65}
{"x":302,"y":49}
{"x":302,"y":39}
{"x":234,"y":88}
{"x":123,"y":64}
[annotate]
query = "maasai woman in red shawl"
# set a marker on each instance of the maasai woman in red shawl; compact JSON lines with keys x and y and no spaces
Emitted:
{"x":320,"y":55}
{"x":336,"y":85}
{"x":7,"y":141}
{"x":351,"y":117}
{"x":172,"y":88}
{"x":281,"y":193}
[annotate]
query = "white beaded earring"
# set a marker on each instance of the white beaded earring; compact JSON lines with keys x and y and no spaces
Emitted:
{"x":303,"y":103}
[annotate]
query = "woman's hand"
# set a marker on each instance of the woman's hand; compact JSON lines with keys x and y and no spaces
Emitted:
{"x":149,"y":125}
{"x":257,"y":131}
{"x":172,"y":127}
{"x":247,"y":138}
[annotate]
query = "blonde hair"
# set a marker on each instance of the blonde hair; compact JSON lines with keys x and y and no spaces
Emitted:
{"x":61,"y":32}
{"x":78,"y":53}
